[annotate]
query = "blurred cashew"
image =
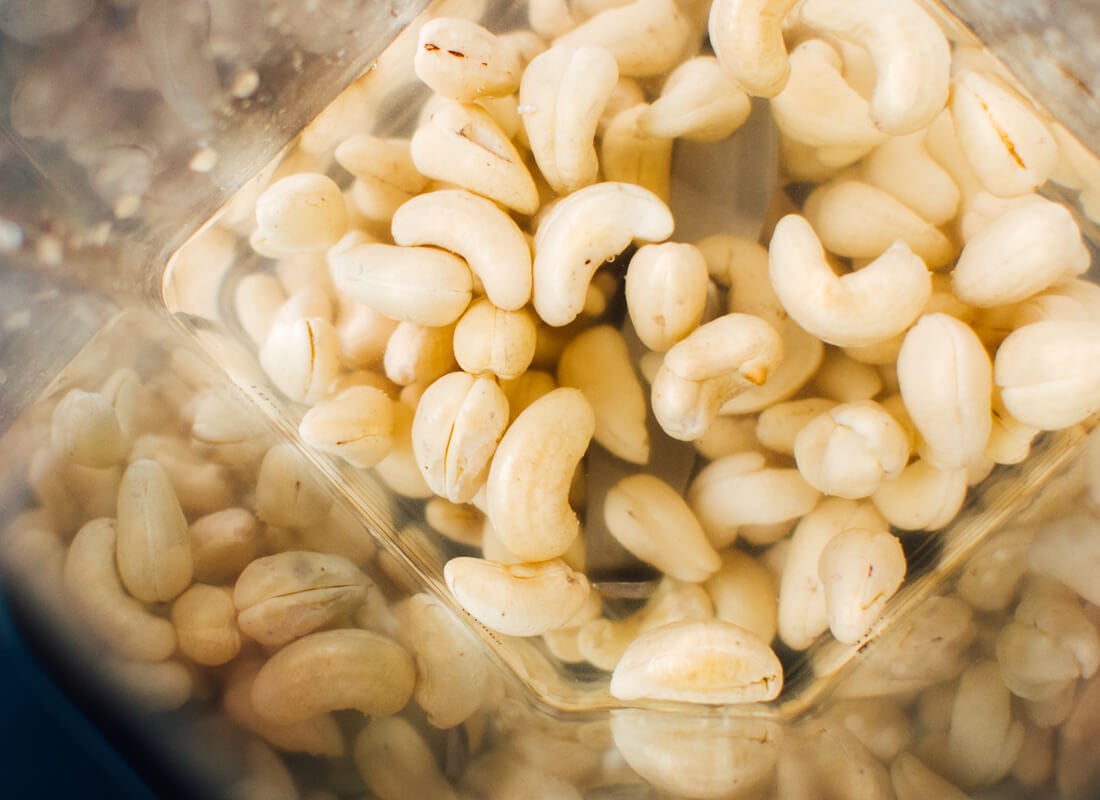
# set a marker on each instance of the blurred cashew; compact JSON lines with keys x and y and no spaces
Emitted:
{"x":903,"y":167}
{"x":396,"y":762}
{"x":583,"y":231}
{"x":983,"y":739}
{"x":630,"y":155}
{"x":921,"y":497}
{"x":666,"y":292}
{"x":418,"y":354}
{"x":154,"y":553}
{"x":399,"y":469}
{"x":912,"y":780}
{"x":301,"y":212}
{"x":490,"y":339}
{"x":86,"y":429}
{"x":288,"y":491}
{"x":747,"y":36}
{"x":699,"y":102}
{"x":714,"y":364}
{"x":356,"y":425}
{"x":777,"y":427}
{"x":223,"y":543}
{"x":646,"y":37}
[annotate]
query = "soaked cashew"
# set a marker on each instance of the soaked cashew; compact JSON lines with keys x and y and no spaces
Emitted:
{"x":946,"y":383}
{"x":747,"y":36}
{"x":418,"y":284}
{"x":699,"y":102}
{"x":490,"y":339}
{"x":356,"y":425}
{"x":334,"y":670}
{"x":598,"y":364}
{"x":301,"y":358}
{"x":478,"y":230}
{"x":1068,"y":550}
{"x":154,"y":553}
{"x":581,"y":232}
{"x":709,"y":662}
{"x":418,"y":354}
{"x":744,"y":593}
{"x":651,"y":520}
{"x":93,"y":585}
{"x":903,"y":167}
{"x":288,"y":492}
{"x":396,"y":762}
{"x":778,"y":426}
{"x":714,"y":364}
{"x":860,"y":570}
{"x":565,"y":90}
{"x":666,"y":292}
{"x":458,"y":423}
{"x":630,"y":155}
{"x":205,"y":622}
{"x":861,"y":308}
{"x":465,"y":146}
{"x":85,"y":428}
{"x":287,"y":595}
{"x":646,"y":37}
{"x":528,"y":483}
{"x":921,"y":497}
{"x":802,"y":357}
{"x":461,"y":60}
{"x":301,"y":212}
{"x":983,"y":739}
{"x":223,"y":543}
{"x":517,"y":599}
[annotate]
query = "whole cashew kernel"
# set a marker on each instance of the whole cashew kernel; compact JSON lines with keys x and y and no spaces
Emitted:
{"x":206,"y":624}
{"x":747,"y":36}
{"x":903,"y":167}
{"x":461,"y":60}
{"x":303,"y":212}
{"x":395,"y":762}
{"x":802,"y":357}
{"x":491,"y":339}
{"x":778,"y":426}
{"x":699,"y":101}
{"x":419,"y":354}
{"x":630,"y":155}
{"x":356,"y":425}
{"x":85,"y":428}
{"x":646,"y":37}
{"x":301,"y":358}
{"x":666,"y":292}
{"x":860,"y":570}
{"x":921,"y":497}
{"x":745,"y":593}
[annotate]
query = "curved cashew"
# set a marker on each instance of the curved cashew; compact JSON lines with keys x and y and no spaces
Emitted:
{"x":302,"y":358}
{"x":584,"y":230}
{"x":356,"y":425}
{"x":206,"y":624}
{"x":487,"y":238}
{"x":461,"y":60}
{"x":331,"y":671}
{"x":983,"y":740}
{"x":627,"y":94}
{"x":418,"y":284}
{"x":857,"y":220}
{"x":1049,"y":373}
{"x":651,"y":520}
{"x":301,"y":213}
{"x":597,"y":363}
{"x":666,"y":292}
{"x":850,"y":449}
{"x":464,"y":145}
{"x":747,"y":36}
{"x":698,"y":102}
{"x":739,"y":490}
{"x":385,"y":161}
{"x":418,"y":354}
{"x":709,"y":661}
{"x":859,"y":570}
{"x":802,"y":356}
{"x":817,"y":106}
{"x":1022,"y":252}
{"x":946,"y":382}
{"x":564,"y":91}
{"x":1009,"y":148}
{"x":529,"y":479}
{"x":861,"y":308}
{"x":86,"y":429}
{"x":154,"y":553}
{"x":630,"y":155}
{"x":458,"y":423}
{"x":284,"y":596}
{"x":778,"y":426}
{"x":715,"y":363}
{"x":911,"y":55}
{"x":903,"y":167}
{"x":921,"y":497}
{"x":742,"y":264}
{"x":490,"y":339}
{"x":646,"y":37}
{"x":517,"y":599}
{"x":395,"y":762}
{"x":92,"y":582}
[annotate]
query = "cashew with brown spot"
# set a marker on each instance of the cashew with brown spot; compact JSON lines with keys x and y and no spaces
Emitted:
{"x":461,"y":60}
{"x":860,"y":570}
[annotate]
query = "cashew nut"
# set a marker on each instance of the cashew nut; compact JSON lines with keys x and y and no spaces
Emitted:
{"x":921,"y":497}
{"x":223,"y":543}
{"x":288,"y":492}
{"x":85,"y":428}
{"x":302,"y":212}
{"x":363,"y":333}
{"x":983,"y":740}
{"x":528,"y":484}
{"x":461,"y":60}
{"x":356,"y":425}
{"x":903,"y":167}
{"x":630,"y":155}
{"x":802,"y":356}
{"x":419,"y":353}
{"x":646,"y":37}
{"x":490,"y":339}
{"x":912,"y":780}
{"x":860,"y":570}
{"x":666,"y":292}
{"x":154,"y":554}
{"x":747,"y":36}
{"x":584,"y":230}
{"x":744,"y":592}
{"x":699,"y":102}
{"x":778,"y":426}
{"x":206,"y":625}
{"x":395,"y":762}
{"x":301,"y":358}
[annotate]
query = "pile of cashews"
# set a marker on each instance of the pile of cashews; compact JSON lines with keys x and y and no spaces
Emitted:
{"x":917,"y":320}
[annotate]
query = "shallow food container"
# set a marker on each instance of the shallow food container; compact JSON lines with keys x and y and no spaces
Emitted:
{"x":231,"y":566}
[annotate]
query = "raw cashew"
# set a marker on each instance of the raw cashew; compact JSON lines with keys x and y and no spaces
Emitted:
{"x":747,"y":36}
{"x":464,"y":145}
{"x":206,"y":624}
{"x":200,"y":486}
{"x":946,"y":383}
{"x":528,"y":484}
{"x":490,"y":339}
{"x":399,"y":470}
{"x":859,"y":570}
{"x":256,"y":300}
{"x":223,"y":543}
{"x":817,"y":106}
{"x":921,"y":497}
{"x":526,"y":389}
{"x":903,"y":167}
{"x":418,"y":284}
{"x":651,"y":520}
{"x":1009,"y":440}
{"x":517,"y":599}
{"x":646,"y":37}
{"x":334,"y":670}
{"x":710,"y":662}
{"x":802,"y":356}
{"x":461,"y":60}
{"x":714,"y":364}
{"x":288,"y":491}
{"x":384,"y":163}
{"x":850,"y":449}
{"x":598,"y":364}
{"x":1009,"y":148}
{"x":583,"y":231}
{"x":861,"y":308}
{"x":1049,"y":373}
{"x":356,"y":425}
{"x":983,"y":739}
{"x":858,"y":220}
{"x":699,"y":102}
{"x":301,"y":212}
{"x":911,"y":56}
{"x":1020,"y":253}
{"x":85,"y":428}
{"x":154,"y":553}
{"x":419,"y":354}
{"x":478,"y":230}
{"x":565,"y":90}
{"x":1068,"y":550}
{"x":912,"y":780}
{"x":302,"y":358}
{"x":778,"y":426}
{"x":363,"y":333}
{"x":666,"y":292}
{"x":395,"y":762}
{"x":630,"y":155}
{"x":740,"y":490}
{"x":458,"y":423}
{"x":744,"y":593}
{"x":93,"y":585}
{"x":287,"y":595}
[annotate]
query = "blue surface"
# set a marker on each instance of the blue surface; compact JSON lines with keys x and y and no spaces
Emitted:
{"x":47,"y":748}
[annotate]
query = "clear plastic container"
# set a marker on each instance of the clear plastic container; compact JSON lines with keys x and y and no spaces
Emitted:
{"x":129,"y":246}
